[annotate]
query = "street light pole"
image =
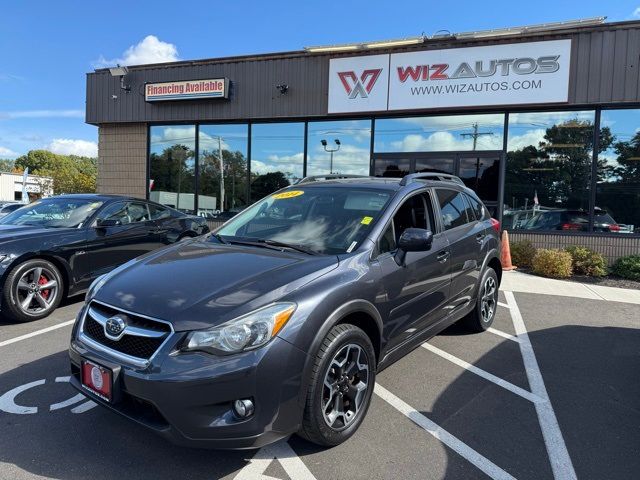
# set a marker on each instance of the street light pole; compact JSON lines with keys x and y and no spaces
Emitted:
{"x":221,"y":173}
{"x":330,"y":151}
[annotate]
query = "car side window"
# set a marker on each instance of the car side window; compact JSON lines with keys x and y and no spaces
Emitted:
{"x":116,"y":211}
{"x":415,"y":212}
{"x":137,"y":212}
{"x":478,"y":208}
{"x":157,"y":212}
{"x":453,"y":208}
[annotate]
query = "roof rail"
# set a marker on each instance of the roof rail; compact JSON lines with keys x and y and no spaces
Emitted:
{"x":331,"y":176}
{"x":444,"y":177}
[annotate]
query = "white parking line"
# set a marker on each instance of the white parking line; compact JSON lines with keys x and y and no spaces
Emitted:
{"x":464,"y":450}
{"x":280,"y":451}
{"x":37,"y":332}
{"x":84,"y":407}
{"x":502,"y":334}
{"x":503,"y":305}
{"x":553,"y":440}
{"x":484,"y":374}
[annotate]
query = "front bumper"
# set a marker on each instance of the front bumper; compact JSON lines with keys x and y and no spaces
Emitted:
{"x":187,"y":397}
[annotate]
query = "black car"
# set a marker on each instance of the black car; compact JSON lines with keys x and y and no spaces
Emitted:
{"x":572,"y":220}
{"x":278,"y":321}
{"x":57,"y":246}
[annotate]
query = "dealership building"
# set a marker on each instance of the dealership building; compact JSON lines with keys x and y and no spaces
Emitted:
{"x":543,"y":122}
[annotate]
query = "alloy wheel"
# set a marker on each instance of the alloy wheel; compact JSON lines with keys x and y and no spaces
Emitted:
{"x":489,"y":299}
{"x":345,"y":386}
{"x":36,"y":290}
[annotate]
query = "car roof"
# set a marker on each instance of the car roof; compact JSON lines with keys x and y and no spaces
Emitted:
{"x":97,"y":196}
{"x":382,"y":183}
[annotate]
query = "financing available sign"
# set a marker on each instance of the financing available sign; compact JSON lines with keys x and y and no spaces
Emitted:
{"x":513,"y":74}
{"x":187,"y":90}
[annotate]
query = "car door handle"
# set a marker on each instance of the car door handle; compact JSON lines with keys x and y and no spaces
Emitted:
{"x":443,"y":256}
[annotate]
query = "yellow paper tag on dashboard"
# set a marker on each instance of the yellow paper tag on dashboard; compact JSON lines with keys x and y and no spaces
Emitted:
{"x":289,"y":194}
{"x":366,"y":220}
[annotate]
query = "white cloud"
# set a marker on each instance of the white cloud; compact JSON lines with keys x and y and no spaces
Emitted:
{"x":443,"y":142}
{"x":149,"y":50}
{"x":41,"y":114}
{"x":636,"y":13}
{"x":67,"y":146}
{"x":530,"y":137}
{"x":7,"y":153}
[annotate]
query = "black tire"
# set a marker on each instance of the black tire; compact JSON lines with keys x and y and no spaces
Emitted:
{"x":352,"y":342}
{"x":16,"y":293}
{"x":481,"y":317}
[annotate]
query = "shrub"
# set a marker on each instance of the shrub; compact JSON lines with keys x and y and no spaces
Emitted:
{"x":552,"y":263}
{"x":522,"y":253}
{"x":587,"y":262}
{"x":628,"y":267}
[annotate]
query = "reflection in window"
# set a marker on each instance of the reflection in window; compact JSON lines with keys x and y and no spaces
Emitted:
{"x":549,"y":159}
{"x":223,"y":155}
{"x":481,"y":174}
{"x":392,"y":168}
{"x":172,"y":166}
{"x":349,"y":155}
{"x":277,"y":157}
{"x":439,"y":134}
{"x":618,"y":187}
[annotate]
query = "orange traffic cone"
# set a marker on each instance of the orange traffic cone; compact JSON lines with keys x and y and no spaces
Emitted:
{"x":505,"y":254}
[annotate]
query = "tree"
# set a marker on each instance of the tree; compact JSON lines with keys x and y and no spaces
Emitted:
{"x":69,"y":173}
{"x":265,"y":184}
{"x":6,"y":165}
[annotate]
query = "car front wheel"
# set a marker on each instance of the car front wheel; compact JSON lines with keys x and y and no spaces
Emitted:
{"x":481,"y":317}
{"x":342,"y":381}
{"x":32,"y":291}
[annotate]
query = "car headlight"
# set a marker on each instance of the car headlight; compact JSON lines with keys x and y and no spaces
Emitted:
{"x":244,"y":333}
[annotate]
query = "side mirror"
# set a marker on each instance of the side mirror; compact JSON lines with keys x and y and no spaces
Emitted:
{"x":107,"y":222}
{"x":413,"y":240}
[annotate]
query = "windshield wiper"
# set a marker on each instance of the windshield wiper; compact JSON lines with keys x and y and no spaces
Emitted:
{"x":272,"y":244}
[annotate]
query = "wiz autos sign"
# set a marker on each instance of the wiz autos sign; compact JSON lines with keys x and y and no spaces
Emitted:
{"x":191,"y":89}
{"x":512,"y":74}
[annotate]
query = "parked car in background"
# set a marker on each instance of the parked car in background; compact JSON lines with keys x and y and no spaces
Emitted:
{"x":572,"y":220}
{"x":56,"y":246}
{"x":7,"y":207}
{"x":279,"y":321}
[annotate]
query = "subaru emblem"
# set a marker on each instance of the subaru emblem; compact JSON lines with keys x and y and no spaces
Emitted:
{"x":115,"y":327}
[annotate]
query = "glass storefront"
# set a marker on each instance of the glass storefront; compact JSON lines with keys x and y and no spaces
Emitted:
{"x":277,"y":157}
{"x":548,"y":170}
{"x":339,"y":147}
{"x":222,"y":168}
{"x":172,"y":166}
{"x":618,"y":179}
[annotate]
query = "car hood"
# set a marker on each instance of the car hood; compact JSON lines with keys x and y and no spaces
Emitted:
{"x":16,"y":232}
{"x":199,"y":284}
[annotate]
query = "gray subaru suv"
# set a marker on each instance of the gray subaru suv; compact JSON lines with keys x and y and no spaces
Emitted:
{"x":278,"y":322}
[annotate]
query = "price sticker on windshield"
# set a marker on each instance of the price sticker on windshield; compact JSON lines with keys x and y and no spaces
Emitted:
{"x":289,"y":194}
{"x":366,"y":220}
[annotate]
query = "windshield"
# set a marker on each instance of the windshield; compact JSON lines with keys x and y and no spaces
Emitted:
{"x":328,"y":220}
{"x":53,"y":212}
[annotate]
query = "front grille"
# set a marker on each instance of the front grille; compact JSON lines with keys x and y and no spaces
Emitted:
{"x":133,"y":343}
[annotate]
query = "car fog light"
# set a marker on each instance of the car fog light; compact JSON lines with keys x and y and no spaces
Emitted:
{"x":243,"y":408}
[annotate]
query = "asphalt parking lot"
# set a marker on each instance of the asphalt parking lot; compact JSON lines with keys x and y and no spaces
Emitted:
{"x":552,"y":391}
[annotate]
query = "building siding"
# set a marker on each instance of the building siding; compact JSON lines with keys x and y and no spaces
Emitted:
{"x":604,"y":69}
{"x":122,"y":159}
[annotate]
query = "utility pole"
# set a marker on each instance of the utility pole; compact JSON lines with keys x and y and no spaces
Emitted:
{"x":475,"y":135}
{"x":221,"y":173}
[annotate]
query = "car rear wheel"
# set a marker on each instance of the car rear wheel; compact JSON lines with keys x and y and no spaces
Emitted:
{"x":342,"y":381}
{"x":32,"y":291}
{"x":481,"y":317}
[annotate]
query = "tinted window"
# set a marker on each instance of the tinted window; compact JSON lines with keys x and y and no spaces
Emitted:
{"x":159,"y":213}
{"x":478,"y":209}
{"x":411,"y":214}
{"x":115,"y":211}
{"x":453,"y":208}
{"x":138,"y":212}
{"x":54,"y":212}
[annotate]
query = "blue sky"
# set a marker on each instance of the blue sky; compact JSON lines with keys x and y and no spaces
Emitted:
{"x":47,"y":47}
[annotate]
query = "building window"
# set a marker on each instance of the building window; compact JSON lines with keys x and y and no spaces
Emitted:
{"x":223,"y":168}
{"x":172,"y":166}
{"x":339,"y":147}
{"x":548,"y":172}
{"x":617,"y":207}
{"x":439,"y":134}
{"x":277,"y":157}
